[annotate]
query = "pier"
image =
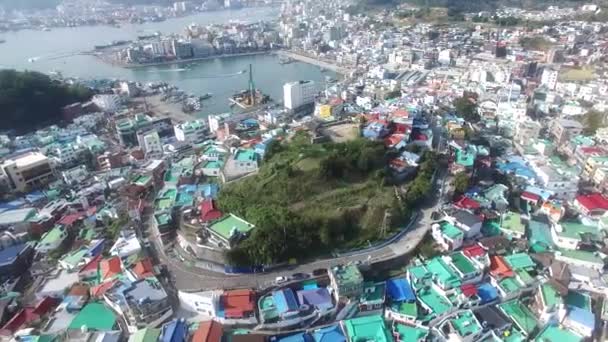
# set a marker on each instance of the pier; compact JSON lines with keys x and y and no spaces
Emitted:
{"x":315,"y":61}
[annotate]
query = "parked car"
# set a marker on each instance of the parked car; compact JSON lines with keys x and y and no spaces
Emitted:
{"x":298,"y":276}
{"x":281,"y":279}
{"x":319,"y":272}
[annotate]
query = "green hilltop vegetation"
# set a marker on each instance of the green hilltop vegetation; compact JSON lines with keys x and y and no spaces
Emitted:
{"x":310,"y":199}
{"x":30,"y":99}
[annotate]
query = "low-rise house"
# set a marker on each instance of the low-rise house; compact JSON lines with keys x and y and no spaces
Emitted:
{"x":465,"y":269}
{"x":346,"y":281}
{"x":581,"y":258}
{"x":205,"y":303}
{"x":94,"y":317}
{"x":367,"y":328}
{"x":548,"y":303}
{"x":520,"y":315}
{"x":110,"y":268}
{"x":511,"y":225}
{"x":591,"y":205}
{"x":553,"y":332}
{"x":373,"y":297}
{"x":126,"y":245}
{"x":228,"y":231}
{"x":402,"y":301}
{"x":569,"y":234}
{"x":15,"y":258}
{"x":406,"y":332}
{"x":318,"y":298}
{"x":142,"y":303}
{"x":56,"y":283}
{"x":580,"y":321}
{"x":469,"y":223}
{"x":463,"y":326}
{"x":239,"y":164}
{"x":238,"y":304}
{"x":332,"y":333}
{"x":447,"y":235}
{"x":208,"y":331}
{"x":145,"y":335}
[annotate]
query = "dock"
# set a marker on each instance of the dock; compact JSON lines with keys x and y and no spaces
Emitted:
{"x":316,"y":61}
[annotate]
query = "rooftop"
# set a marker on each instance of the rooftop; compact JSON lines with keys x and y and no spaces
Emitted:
{"x":145,"y":335}
{"x":245,"y":155}
{"x":462,"y":263}
{"x":574,"y":230}
{"x":226,"y":226}
{"x":408,"y":333}
{"x":556,"y":333}
{"x":520,"y":261}
{"x":367,"y":328}
{"x":95,"y":316}
{"x":550,"y":296}
{"x":347,"y":274}
{"x":437,"y":267}
{"x":465,"y":323}
{"x":512,"y":221}
{"x":451,"y":231}
{"x":520,"y":315}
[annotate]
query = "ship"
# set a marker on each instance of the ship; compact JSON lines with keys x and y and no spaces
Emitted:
{"x":148,"y":36}
{"x":251,"y":97}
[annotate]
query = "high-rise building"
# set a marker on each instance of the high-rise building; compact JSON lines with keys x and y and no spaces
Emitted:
{"x":152,"y":145}
{"x":549,"y":77}
{"x":27,"y":171}
{"x":297,"y":94}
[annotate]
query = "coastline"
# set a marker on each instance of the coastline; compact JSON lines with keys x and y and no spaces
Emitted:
{"x":190,"y":60}
{"x":315,"y":61}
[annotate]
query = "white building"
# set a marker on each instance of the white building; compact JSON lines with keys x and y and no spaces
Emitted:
{"x":152,"y":145}
{"x":204,"y":303}
{"x":296,"y":94}
{"x":27,"y":171}
{"x":526,"y":131}
{"x":126,"y":245}
{"x":549,"y":77}
{"x":191,"y":132}
{"x":108,"y":103}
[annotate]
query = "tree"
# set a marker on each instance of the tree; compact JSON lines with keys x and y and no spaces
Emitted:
{"x":461,"y":182}
{"x":466,"y":106}
{"x":29,"y":99}
{"x":592,"y":121}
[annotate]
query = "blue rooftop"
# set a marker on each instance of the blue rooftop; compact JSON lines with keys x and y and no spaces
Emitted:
{"x":582,"y":317}
{"x":329,"y":334}
{"x":175,"y":331}
{"x":299,"y":337}
{"x":9,"y":254}
{"x":209,"y":190}
{"x":400,"y":290}
{"x":285,"y":300}
{"x":487,"y":292}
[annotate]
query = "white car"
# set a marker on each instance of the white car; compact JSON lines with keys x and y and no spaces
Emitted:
{"x":281,"y":279}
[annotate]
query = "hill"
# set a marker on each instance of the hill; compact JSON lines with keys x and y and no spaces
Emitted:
{"x":31,"y":99}
{"x":309,"y":199}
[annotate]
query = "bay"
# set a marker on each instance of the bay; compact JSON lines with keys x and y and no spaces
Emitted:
{"x":57,"y":50}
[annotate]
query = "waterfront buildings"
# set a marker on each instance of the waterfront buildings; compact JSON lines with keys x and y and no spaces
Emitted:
{"x":27,"y":171}
{"x":299,"y":93}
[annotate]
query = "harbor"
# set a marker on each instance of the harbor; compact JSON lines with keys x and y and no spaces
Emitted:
{"x":314,"y":61}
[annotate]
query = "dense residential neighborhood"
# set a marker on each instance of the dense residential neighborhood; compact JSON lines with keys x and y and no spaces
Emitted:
{"x":450,"y":185}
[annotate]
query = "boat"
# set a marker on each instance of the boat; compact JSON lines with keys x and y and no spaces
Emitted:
{"x":46,"y":29}
{"x":323,"y":70}
{"x":206,"y":96}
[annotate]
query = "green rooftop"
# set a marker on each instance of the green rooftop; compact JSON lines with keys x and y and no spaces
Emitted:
{"x":163,"y":219}
{"x":367,"y":328}
{"x":213,"y":164}
{"x":524,"y":277}
{"x":444,"y":274}
{"x":373,"y":292}
{"x":224,"y":226}
{"x":511,"y":222}
{"x":575,"y":230}
{"x":73,"y":258}
{"x":95,"y":316}
{"x":166,"y":200}
{"x":520,"y":261}
{"x":520,"y":315}
{"x":462,"y":263}
{"x":509,"y":285}
{"x":145,"y":335}
{"x":406,"y":308}
{"x":52,"y":236}
{"x":558,"y":334}
{"x":268,"y":308}
{"x":347,"y":274}
{"x":465,"y":323}
{"x":540,"y":233}
{"x":434,"y":300}
{"x":579,"y":300}
{"x":451,"y":231}
{"x":245,"y":155}
{"x":550,"y":296}
{"x":408,"y":333}
{"x":581,"y":255}
{"x":142,"y":180}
